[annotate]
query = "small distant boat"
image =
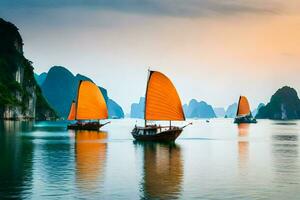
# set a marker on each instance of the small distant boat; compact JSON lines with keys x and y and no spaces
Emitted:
{"x":89,"y":108}
{"x":162,"y":103}
{"x":244,"y":114}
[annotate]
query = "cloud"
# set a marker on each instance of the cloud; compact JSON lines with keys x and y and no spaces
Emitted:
{"x":180,"y":8}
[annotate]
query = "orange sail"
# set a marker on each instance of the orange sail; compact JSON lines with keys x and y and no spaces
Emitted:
{"x":243,"y":107}
{"x":72,"y":111}
{"x":90,"y":102}
{"x":162,"y":100}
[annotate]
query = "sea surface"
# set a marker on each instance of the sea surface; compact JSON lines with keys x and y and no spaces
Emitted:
{"x":215,"y":160}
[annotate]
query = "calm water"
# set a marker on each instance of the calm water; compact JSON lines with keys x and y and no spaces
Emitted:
{"x":216,"y":160}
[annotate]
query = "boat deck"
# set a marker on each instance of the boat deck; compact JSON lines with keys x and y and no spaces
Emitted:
{"x":156,"y":133}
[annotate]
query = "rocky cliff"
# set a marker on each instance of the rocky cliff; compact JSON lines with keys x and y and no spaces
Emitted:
{"x":284,"y":105}
{"x":60,"y":88}
{"x":20,"y":96}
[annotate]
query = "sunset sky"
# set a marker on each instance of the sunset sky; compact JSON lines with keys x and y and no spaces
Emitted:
{"x":212,"y":50}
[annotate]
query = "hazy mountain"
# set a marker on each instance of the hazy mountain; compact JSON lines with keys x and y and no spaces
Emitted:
{"x":20,"y":96}
{"x":114,"y":109}
{"x":137,"y":109}
{"x":231,"y":110}
{"x":284,"y":104}
{"x":60,"y":88}
{"x":220,"y":112}
{"x":185,"y":108}
{"x":255,"y":111}
{"x":40,"y":78}
{"x":197,"y":109}
{"x":193,"y":110}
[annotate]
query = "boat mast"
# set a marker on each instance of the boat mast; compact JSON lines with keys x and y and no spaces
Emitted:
{"x":76,"y":103}
{"x":148,"y":78}
{"x":237,"y":111}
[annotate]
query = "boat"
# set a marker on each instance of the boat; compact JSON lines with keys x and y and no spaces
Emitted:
{"x":162,"y":103}
{"x":89,"y":108}
{"x":244,"y":114}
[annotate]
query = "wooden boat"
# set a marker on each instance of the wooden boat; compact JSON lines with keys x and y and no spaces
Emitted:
{"x":162,"y":103}
{"x":244,"y":114}
{"x":89,"y":108}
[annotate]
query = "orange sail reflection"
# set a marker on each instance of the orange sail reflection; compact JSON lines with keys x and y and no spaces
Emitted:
{"x":243,"y":145}
{"x":162,"y":100}
{"x":243,"y":106}
{"x":91,"y":149}
{"x":163,"y":171}
{"x":243,"y":129}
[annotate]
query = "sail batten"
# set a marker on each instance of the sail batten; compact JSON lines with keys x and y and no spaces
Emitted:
{"x":243,"y":107}
{"x":90,"y":103}
{"x":162,"y":100}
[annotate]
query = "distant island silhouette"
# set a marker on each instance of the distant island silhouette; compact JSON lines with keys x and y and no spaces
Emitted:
{"x":220,"y":112}
{"x":284,"y":105}
{"x":194,"y":109}
{"x":137,"y":109}
{"x":255,"y":111}
{"x":231,"y":111}
{"x":199,"y":109}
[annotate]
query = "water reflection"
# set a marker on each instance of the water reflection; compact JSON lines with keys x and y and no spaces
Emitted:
{"x":287,"y":138}
{"x":16,"y":127}
{"x":285,"y":161}
{"x":285,"y":123}
{"x":244,"y":162}
{"x":15,"y":161}
{"x":285,"y":152}
{"x":91,"y":150}
{"x":163,"y":171}
{"x":243,"y":144}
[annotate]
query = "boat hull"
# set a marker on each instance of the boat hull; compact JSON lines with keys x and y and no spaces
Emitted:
{"x":85,"y":126}
{"x":245,"y":120}
{"x":169,"y":135}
